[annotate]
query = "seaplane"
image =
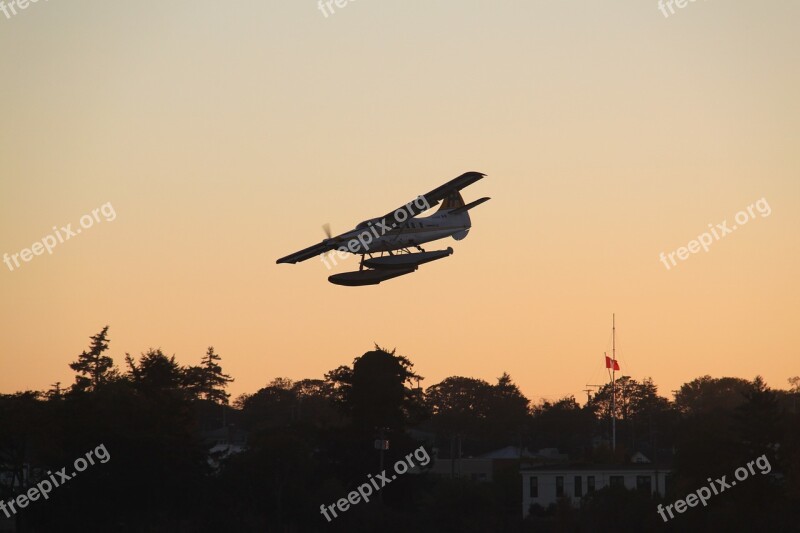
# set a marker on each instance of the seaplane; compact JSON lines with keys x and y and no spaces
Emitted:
{"x":385,"y":243}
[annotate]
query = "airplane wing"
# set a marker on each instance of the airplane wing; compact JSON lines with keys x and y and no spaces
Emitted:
{"x":431,"y":199}
{"x":325,"y":246}
{"x":308,"y":253}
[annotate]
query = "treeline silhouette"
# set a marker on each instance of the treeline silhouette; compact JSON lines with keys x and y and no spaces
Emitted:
{"x":186,"y":459}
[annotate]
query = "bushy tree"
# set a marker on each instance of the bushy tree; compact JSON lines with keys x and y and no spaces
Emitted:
{"x":565,"y":425}
{"x":377,"y":390}
{"x":707,"y":395}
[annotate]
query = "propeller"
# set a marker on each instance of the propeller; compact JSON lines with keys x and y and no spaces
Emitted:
{"x":327,"y":229}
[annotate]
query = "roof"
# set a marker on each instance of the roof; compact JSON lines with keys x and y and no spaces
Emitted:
{"x":509,"y":452}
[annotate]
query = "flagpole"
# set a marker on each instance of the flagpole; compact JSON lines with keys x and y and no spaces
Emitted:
{"x":613,"y":383}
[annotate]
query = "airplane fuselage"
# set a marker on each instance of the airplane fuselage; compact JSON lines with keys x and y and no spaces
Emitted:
{"x":374,"y":236}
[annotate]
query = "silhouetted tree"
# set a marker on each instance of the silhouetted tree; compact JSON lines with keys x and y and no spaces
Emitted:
{"x":310,"y":442}
{"x":207,"y":380}
{"x":93,"y":367}
{"x":270,"y":407}
{"x":155,"y":372}
{"x":758,"y":422}
{"x":707,"y":394}
{"x":457,"y":402}
{"x":471,"y":415}
{"x":377,"y":389}
{"x":508,"y":412}
{"x":315,"y":404}
{"x":633,"y":399}
{"x":565,"y":425}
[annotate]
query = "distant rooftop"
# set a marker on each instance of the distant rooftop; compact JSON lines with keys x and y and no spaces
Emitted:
{"x":566,"y":467}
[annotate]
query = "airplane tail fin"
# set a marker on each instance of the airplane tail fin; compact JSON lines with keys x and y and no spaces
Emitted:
{"x":451,"y":201}
{"x":455,"y":209}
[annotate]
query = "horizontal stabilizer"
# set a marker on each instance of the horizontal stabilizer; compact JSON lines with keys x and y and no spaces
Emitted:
{"x":469,"y":206}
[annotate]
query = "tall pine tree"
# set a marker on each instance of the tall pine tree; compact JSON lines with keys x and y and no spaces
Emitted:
{"x":93,"y":367}
{"x":207,"y":380}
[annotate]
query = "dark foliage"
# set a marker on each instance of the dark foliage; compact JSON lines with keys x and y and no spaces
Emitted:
{"x":180,"y":459}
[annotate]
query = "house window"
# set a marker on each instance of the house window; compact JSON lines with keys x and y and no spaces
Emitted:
{"x":589,"y":483}
{"x":534,"y":486}
{"x":578,"y":486}
{"x":644,"y":484}
{"x":559,"y":486}
{"x":616,"y":481}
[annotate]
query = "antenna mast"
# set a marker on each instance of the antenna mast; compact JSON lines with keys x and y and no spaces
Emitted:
{"x":589,"y":390}
{"x":613,"y":383}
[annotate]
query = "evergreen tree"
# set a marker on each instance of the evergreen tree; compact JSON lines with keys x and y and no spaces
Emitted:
{"x":93,"y":367}
{"x":207,"y":380}
{"x":155,"y":372}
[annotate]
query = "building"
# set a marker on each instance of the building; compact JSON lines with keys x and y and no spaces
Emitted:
{"x":544,"y":485}
{"x":222,"y":443}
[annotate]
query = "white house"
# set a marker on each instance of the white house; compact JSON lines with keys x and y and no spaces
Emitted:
{"x":544,"y":485}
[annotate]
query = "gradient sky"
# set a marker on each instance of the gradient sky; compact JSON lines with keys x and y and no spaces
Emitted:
{"x":225,"y":134}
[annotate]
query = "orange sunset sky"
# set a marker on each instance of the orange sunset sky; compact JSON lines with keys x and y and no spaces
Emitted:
{"x":225,"y":134}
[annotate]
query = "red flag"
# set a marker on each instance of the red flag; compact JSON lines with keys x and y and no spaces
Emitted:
{"x":610,"y":361}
